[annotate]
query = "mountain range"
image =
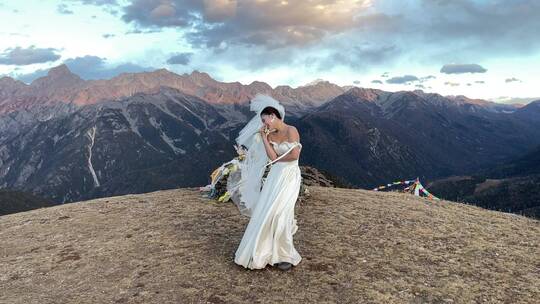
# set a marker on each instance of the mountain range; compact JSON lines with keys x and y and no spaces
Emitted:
{"x":371,"y":136}
{"x":17,"y":201}
{"x":512,"y":186}
{"x":60,"y":85}
{"x":67,"y":139}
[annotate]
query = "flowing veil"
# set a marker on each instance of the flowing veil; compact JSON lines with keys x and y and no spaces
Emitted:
{"x":244,"y":185}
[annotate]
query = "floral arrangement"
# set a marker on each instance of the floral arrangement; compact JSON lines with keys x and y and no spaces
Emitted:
{"x":218,"y":187}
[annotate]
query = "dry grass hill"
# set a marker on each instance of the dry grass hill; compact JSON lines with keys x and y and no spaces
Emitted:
{"x":358,"y":246}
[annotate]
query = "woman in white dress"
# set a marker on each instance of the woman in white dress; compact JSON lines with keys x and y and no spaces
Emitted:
{"x":268,"y":238}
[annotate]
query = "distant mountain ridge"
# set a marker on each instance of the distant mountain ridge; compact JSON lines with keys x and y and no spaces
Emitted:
{"x":512,"y":186}
{"x":372,"y":136}
{"x":17,"y":201}
{"x":172,"y":130}
{"x":61,"y":85}
{"x":107,"y":148}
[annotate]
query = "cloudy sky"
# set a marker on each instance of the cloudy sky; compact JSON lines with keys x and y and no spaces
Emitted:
{"x":486,"y":49}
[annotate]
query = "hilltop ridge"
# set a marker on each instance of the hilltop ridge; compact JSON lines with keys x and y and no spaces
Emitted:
{"x":174,"y":246}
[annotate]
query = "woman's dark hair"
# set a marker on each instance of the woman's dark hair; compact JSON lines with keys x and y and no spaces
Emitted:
{"x":271,"y":110}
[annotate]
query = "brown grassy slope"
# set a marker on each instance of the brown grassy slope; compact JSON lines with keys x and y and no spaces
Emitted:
{"x":357,"y":246}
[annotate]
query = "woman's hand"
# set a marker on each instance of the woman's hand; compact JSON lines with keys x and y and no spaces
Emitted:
{"x":264,"y":132}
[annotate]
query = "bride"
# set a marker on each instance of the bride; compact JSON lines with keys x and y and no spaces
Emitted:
{"x":268,"y":238}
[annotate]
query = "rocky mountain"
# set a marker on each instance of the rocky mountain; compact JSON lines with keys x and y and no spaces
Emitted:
{"x":9,"y":87}
{"x":141,"y":143}
{"x":370,"y":137}
{"x":530,"y":112}
{"x":347,"y":137}
{"x":167,"y":138}
{"x":60,"y":85}
{"x":512,"y":186}
{"x":68,"y":139}
{"x":14,"y":123}
{"x":519,"y":194}
{"x":314,"y":177}
{"x":17,"y":201}
{"x":357,"y":246}
{"x":524,"y":165}
{"x":490,"y":105}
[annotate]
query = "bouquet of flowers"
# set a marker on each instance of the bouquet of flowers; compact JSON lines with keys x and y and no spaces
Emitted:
{"x":227,"y":177}
{"x":218,"y":186}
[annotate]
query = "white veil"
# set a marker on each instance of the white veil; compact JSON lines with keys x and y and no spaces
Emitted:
{"x":244,"y":185}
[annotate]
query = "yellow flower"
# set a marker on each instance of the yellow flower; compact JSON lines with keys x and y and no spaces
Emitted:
{"x":225,"y":197}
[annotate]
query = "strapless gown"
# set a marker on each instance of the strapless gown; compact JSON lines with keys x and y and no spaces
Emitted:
{"x":268,"y":238}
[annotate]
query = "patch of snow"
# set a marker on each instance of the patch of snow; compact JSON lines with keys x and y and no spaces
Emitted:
{"x":184,"y":106}
{"x":170,"y":142}
{"x":162,"y":105}
{"x":131,"y":121}
{"x":154,"y":123}
{"x":92,"y":135}
{"x":56,"y":138}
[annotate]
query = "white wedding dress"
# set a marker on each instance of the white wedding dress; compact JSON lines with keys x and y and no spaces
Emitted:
{"x":268,"y":238}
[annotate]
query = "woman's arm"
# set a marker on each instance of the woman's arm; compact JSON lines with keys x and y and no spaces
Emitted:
{"x":295,"y":153}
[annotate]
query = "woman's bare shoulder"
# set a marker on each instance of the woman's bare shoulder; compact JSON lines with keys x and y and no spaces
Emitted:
{"x":292,"y":133}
